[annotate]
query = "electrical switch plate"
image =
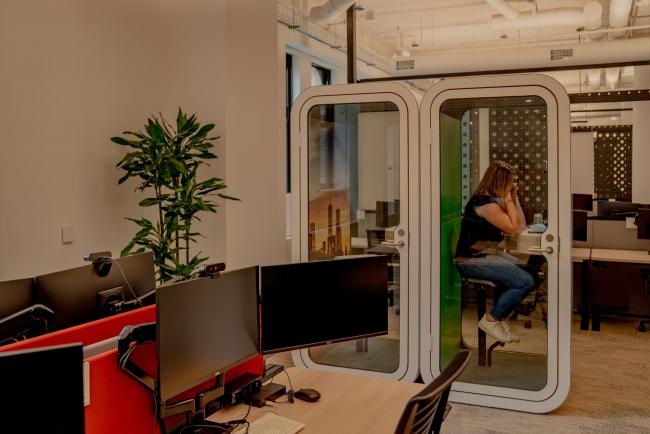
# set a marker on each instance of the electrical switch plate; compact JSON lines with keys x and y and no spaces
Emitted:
{"x":66,"y":235}
{"x":86,"y":384}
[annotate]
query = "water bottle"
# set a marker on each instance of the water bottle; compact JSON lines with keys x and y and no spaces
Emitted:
{"x":538,"y":219}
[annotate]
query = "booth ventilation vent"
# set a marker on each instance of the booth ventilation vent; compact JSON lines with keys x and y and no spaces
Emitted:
{"x":402,"y":65}
{"x":561,"y":53}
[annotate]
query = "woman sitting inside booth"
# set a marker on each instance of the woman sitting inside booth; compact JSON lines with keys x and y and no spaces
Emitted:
{"x":492,"y":211}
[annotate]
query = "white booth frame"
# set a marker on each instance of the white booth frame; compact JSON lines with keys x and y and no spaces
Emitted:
{"x":559,"y":205}
{"x":409,"y":211}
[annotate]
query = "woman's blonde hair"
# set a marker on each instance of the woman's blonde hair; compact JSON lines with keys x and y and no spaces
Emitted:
{"x":496,"y":180}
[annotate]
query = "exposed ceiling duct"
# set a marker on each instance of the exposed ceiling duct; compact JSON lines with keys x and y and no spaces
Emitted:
{"x":613,"y":51}
{"x":589,"y":17}
{"x":504,"y":8}
{"x":329,"y":10}
{"x":619,"y":15}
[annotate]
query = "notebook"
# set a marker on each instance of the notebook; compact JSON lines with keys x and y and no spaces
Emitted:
{"x":273,"y":424}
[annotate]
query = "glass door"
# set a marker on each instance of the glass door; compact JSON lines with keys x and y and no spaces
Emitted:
{"x":353,"y":187}
{"x":492,"y":279}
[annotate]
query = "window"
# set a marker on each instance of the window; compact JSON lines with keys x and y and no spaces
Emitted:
{"x":320,"y":76}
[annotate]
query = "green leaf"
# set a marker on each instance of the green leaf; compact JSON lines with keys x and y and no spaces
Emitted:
{"x":225,"y":196}
{"x":150,"y":201}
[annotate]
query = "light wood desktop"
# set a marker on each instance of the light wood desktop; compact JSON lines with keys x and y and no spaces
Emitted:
{"x":348,"y":403}
{"x":627,"y":256}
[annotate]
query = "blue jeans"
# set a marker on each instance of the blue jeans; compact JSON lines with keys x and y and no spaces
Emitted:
{"x":501,"y":269}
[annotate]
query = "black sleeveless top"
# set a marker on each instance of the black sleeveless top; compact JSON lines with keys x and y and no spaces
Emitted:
{"x":474,"y":228}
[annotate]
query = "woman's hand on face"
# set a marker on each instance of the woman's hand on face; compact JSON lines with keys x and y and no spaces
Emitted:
{"x":513,"y":191}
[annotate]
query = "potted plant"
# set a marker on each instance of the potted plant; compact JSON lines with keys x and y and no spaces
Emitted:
{"x":165,"y":159}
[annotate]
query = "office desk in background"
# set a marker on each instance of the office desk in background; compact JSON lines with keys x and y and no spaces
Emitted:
{"x":348,"y":403}
{"x":619,"y":284}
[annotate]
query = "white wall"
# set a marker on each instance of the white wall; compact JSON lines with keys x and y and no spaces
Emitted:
{"x":582,"y":163}
{"x":76,"y":72}
{"x":255,"y":227}
{"x":641,"y":139}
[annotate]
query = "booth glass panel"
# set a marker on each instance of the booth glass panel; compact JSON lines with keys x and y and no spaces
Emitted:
{"x":473,"y":133}
{"x":353,"y":207}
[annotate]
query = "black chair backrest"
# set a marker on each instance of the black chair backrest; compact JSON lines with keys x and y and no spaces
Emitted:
{"x":424,"y":412}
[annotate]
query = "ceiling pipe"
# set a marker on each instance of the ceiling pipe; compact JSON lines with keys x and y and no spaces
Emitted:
{"x":619,"y":15}
{"x":594,"y":53}
{"x":589,"y":17}
{"x":504,"y":8}
{"x":329,"y":10}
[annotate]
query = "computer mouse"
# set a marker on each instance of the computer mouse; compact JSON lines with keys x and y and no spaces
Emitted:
{"x":309,"y":395}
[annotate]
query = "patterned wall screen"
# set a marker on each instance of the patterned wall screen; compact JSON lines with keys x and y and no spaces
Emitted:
{"x":613,"y":163}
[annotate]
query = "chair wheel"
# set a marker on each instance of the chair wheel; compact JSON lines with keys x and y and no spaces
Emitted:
{"x":528,"y":324}
{"x":642,"y":328}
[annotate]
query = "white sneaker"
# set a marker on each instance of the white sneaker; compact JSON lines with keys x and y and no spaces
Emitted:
{"x":506,"y":328}
{"x":494,"y":329}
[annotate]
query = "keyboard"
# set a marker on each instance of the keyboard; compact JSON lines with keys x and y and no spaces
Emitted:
{"x":273,"y":424}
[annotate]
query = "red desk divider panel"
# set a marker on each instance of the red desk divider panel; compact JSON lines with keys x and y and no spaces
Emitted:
{"x":118,"y":403}
{"x":88,"y":333}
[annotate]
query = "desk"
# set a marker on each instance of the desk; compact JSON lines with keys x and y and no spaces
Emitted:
{"x":625,"y":256}
{"x":619,"y":283}
{"x":348,"y":403}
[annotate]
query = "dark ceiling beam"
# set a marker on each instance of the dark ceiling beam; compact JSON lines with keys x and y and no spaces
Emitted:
{"x":610,"y":96}
{"x":627,"y":109}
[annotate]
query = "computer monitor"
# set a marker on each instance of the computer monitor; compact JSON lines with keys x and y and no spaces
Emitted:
{"x":584,"y":202}
{"x":77,"y":295}
{"x":579,"y":225}
{"x":15,"y":295}
{"x":205,"y":326}
{"x":617,"y":209}
{"x":321,"y":302}
{"x":42,"y":390}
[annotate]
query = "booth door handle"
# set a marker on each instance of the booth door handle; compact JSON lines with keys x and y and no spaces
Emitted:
{"x":398,"y":244}
{"x":548,"y":250}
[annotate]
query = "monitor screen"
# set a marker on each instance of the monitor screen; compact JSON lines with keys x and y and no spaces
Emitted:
{"x":643,"y":224}
{"x":617,"y":209}
{"x":42,"y":390}
{"x":579,"y":225}
{"x":73,"y":293}
{"x":584,"y":202}
{"x":316,"y":303}
{"x":204,"y":327}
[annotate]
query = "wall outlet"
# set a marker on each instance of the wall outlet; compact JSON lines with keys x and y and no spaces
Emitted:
{"x":66,"y":235}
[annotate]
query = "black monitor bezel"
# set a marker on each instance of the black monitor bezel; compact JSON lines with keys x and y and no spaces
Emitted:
{"x":314,"y":343}
{"x":167,"y":400}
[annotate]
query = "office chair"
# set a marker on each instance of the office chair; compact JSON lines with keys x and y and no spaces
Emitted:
{"x":425,"y":412}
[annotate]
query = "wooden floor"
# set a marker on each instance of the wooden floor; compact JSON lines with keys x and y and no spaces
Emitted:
{"x":610,"y":389}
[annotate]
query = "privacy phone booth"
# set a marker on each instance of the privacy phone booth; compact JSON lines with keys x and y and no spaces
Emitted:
{"x":465,"y":124}
{"x":355,"y":179}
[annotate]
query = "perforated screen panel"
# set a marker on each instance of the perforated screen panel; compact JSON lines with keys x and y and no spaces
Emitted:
{"x":613,"y":163}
